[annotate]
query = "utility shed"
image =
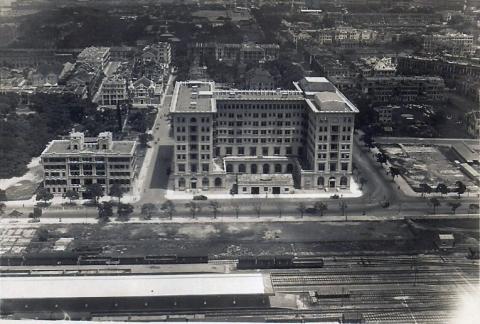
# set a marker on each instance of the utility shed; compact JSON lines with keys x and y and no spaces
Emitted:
{"x":445,"y":241}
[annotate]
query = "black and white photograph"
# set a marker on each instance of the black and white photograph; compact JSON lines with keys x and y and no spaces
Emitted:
{"x":246,"y":161}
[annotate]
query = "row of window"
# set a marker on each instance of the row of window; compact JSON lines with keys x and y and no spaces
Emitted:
{"x":260,"y":106}
{"x":181,"y":167}
{"x":261,"y":115}
{"x":333,"y":166}
{"x":192,"y":120}
{"x":333,"y":147}
{"x":259,"y":123}
{"x":259,"y":140}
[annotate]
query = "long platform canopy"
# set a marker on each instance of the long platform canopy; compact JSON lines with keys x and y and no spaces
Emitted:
{"x":134,"y":286}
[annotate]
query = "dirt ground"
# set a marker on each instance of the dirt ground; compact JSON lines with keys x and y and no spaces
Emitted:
{"x":232,"y":240}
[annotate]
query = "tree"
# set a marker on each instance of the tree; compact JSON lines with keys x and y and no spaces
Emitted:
{"x":147,"y":210}
{"x":236,"y":208}
{"x":3,"y":195}
{"x":144,"y":139}
{"x":362,"y":181}
{"x":381,"y":158}
{"x":169,"y":207}
{"x":194,"y":208}
{"x":2,"y":208}
{"x":279,"y":206}
{"x":320,"y":207}
{"x":124,"y":210}
{"x":37,"y":212}
{"x":44,"y":194}
{"x":460,"y":188}
{"x":301,"y":207}
{"x":394,"y":172}
{"x":434,"y":203}
{"x":105,"y":211}
{"x":116,"y":191}
{"x":425,"y":189}
{"x":94,"y":190}
{"x":71,"y":195}
{"x":442,"y":188}
{"x":215,"y":206}
{"x":257,"y":207}
{"x":343,"y":207}
{"x":454,"y":205}
{"x":473,"y":208}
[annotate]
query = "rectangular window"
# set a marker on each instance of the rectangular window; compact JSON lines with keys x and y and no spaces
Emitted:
{"x":321,"y":167}
{"x":205,"y":167}
{"x":333,"y":167}
{"x":228,"y":150}
{"x":264,"y":150}
{"x":241,"y":150}
{"x":344,"y":166}
{"x":181,"y":167}
{"x":253,"y":151}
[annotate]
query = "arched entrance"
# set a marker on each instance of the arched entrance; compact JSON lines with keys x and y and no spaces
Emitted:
{"x":253,"y":169}
{"x":193,"y":183}
{"x":332,"y":182}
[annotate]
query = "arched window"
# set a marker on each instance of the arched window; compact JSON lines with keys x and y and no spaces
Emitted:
{"x":205,"y":182}
{"x":193,"y":120}
{"x":343,"y":181}
{"x":278,"y":168}
{"x":181,"y":183}
{"x":218,"y":182}
{"x":242,"y":168}
{"x":331,"y":182}
{"x":320,"y":181}
{"x":289,"y":168}
{"x":266,"y":168}
{"x":253,"y":169}
{"x":229,"y":168}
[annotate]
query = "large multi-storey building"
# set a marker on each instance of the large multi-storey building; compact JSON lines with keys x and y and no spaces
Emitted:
{"x":97,"y":57}
{"x":458,"y":44}
{"x":233,"y":53}
{"x":76,"y":162}
{"x":113,"y":91}
{"x":403,"y":89}
{"x":262,"y":141}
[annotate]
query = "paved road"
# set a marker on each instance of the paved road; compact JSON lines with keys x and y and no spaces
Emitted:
{"x":418,"y":140}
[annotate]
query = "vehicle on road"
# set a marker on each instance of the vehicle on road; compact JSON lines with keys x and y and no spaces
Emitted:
{"x":200,"y":197}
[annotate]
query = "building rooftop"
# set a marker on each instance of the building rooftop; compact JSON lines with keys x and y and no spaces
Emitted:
{"x":330,"y":101}
{"x":134,"y":286}
{"x":234,"y":94}
{"x":193,"y":96}
{"x":62,"y":147}
{"x":258,"y":179}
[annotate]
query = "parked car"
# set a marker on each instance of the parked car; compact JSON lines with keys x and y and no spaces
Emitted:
{"x":200,"y":197}
{"x":335,"y":196}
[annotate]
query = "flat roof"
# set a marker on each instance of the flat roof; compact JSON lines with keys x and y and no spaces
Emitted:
{"x":61,"y":147}
{"x":193,"y":96}
{"x":134,"y":286}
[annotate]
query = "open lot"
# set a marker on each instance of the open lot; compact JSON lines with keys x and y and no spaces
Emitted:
{"x":220,"y":240}
{"x":426,"y":164}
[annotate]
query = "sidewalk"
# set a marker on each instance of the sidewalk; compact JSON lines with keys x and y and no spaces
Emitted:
{"x":232,"y":219}
{"x":353,"y":192}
